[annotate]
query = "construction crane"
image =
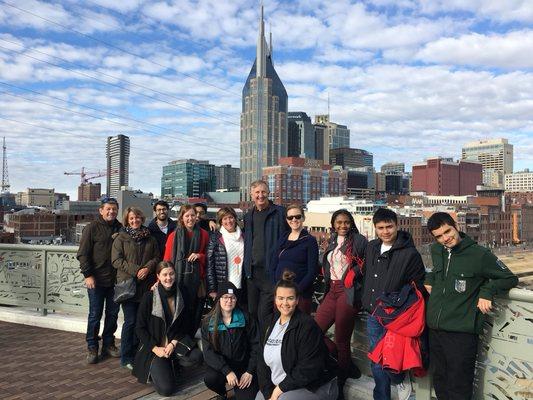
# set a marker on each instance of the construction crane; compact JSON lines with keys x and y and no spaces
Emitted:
{"x":87,"y":176}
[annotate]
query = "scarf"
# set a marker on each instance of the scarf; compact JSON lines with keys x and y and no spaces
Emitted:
{"x":138,"y":234}
{"x":187,"y":273}
{"x":234,"y":244}
{"x":237,"y":321}
{"x":165,"y":294}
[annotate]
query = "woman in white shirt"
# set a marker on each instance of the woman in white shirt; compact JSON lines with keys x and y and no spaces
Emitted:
{"x":225,"y":253}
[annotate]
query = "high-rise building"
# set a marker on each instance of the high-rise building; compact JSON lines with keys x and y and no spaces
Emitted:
{"x":521,"y":181}
{"x":187,"y":178}
{"x":321,"y":142}
{"x":301,"y":135}
{"x":443,"y":176}
{"x":350,"y":158}
{"x":263,"y":117}
{"x":228,"y":177}
{"x":299,"y":180}
{"x":118,"y":163}
{"x":398,"y":167}
{"x":335,"y":135}
{"x":89,"y":191}
{"x":496,"y":157}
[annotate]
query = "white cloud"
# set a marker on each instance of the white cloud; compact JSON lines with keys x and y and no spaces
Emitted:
{"x":510,"y":50}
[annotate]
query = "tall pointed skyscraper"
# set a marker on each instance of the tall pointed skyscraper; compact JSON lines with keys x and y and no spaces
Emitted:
{"x":263,"y":117}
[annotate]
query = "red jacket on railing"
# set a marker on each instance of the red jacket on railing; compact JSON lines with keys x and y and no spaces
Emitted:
{"x":399,"y":349}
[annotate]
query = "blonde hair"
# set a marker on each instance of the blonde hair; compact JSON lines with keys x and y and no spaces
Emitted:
{"x":297,"y":207}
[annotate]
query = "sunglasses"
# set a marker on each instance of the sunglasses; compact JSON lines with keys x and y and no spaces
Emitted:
{"x":107,"y":199}
{"x":291,"y":217}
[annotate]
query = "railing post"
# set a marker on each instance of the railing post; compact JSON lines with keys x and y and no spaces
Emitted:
{"x":44,"y":310}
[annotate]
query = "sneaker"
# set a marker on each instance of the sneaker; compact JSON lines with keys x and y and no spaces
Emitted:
{"x":405,"y":388}
{"x":92,"y":355}
{"x":127,"y":366}
{"x":110,"y":351}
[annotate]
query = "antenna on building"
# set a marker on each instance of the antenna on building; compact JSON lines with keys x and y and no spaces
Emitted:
{"x":5,"y":174}
{"x":328,"y":108}
{"x":270,"y":50}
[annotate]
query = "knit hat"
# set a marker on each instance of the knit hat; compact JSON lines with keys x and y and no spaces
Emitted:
{"x":226,"y":288}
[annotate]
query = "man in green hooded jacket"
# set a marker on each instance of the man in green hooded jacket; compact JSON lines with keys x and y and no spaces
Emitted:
{"x":462,"y":285}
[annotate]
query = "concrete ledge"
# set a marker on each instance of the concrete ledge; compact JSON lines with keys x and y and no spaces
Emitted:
{"x":61,"y":320}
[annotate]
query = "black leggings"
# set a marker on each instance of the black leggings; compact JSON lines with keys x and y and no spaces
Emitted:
{"x":163,"y":376}
{"x":216,"y":381}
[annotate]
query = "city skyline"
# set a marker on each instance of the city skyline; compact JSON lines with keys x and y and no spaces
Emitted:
{"x":426,"y":76}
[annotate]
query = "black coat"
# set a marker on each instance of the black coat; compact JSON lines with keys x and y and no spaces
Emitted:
{"x":217,"y":262}
{"x":390,"y":271}
{"x":275,"y":227}
{"x":359,"y":246}
{"x":160,"y":236}
{"x":237,"y":347}
{"x":94,"y":253}
{"x":152,"y":330}
{"x":304,"y":356}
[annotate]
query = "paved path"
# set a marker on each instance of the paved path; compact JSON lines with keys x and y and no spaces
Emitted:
{"x":39,"y":363}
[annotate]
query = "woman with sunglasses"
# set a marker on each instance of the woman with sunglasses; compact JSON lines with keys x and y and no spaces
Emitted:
{"x":186,"y":249}
{"x":342,"y":266}
{"x":230,"y":342}
{"x":297,"y":251}
{"x":293,"y":363}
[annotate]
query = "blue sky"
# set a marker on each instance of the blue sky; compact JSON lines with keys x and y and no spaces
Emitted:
{"x":410,"y":78}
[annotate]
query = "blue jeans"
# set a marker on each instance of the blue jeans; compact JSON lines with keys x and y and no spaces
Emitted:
{"x":129,"y":341}
{"x":97,"y":297}
{"x":382,"y":378}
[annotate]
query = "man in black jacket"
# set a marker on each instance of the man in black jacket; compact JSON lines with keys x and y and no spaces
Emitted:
{"x":162,"y":225}
{"x":94,"y":255}
{"x":391,"y":262}
{"x":264,"y":224}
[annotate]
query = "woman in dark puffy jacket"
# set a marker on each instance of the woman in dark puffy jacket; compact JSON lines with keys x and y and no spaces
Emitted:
{"x":225,"y":254}
{"x":297,"y":251}
{"x":342,"y":265}
{"x":230,"y":342}
{"x":135,"y":254}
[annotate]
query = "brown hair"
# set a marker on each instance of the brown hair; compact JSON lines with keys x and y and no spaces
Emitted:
{"x":294,"y":206}
{"x":183,"y":209}
{"x":225,"y":211}
{"x":287,"y":281}
{"x":162,"y":265}
{"x":135,"y":211}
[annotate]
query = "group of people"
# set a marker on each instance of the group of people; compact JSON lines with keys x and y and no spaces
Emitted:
{"x":260,"y":337}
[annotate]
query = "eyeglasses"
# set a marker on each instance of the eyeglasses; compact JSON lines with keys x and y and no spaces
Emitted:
{"x":228,"y":297}
{"x":291,"y":217}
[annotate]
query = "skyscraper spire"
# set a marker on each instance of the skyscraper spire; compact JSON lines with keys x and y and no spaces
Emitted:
{"x":262,"y":49}
{"x":270,"y":49}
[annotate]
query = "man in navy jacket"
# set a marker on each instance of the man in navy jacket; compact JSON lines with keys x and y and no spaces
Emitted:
{"x":264,"y":224}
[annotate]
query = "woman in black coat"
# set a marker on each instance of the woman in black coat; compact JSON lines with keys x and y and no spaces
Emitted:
{"x":161,"y":324}
{"x":230,"y":342}
{"x":293,"y":361}
{"x":225,"y":254}
{"x":297,"y":251}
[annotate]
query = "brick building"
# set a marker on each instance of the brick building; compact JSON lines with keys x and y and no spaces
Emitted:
{"x":300,"y":180}
{"x":443,"y":176}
